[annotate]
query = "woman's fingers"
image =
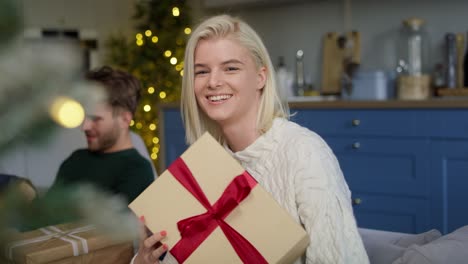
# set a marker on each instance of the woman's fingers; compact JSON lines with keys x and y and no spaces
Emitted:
{"x":157,"y":253}
{"x":143,"y":230}
{"x":154,"y":239}
{"x":151,"y":247}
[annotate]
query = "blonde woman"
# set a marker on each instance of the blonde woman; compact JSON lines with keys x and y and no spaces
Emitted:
{"x":229,"y":90}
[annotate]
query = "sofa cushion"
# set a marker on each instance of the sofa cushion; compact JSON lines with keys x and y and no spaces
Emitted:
{"x":383,"y":253}
{"x":418,"y":239}
{"x":451,"y":248}
{"x":383,"y":247}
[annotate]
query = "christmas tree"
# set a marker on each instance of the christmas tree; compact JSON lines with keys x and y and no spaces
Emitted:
{"x":155,"y":56}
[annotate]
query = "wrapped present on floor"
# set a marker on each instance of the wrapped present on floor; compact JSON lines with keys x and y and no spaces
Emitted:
{"x":215,"y":212}
{"x":67,"y":243}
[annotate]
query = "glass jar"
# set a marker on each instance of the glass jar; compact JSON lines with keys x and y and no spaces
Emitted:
{"x":413,"y":67}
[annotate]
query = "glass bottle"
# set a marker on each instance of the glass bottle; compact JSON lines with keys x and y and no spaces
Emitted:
{"x":299,"y":81}
{"x":413,"y":67}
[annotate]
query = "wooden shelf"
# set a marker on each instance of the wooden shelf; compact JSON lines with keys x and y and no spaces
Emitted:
{"x":452,"y":92}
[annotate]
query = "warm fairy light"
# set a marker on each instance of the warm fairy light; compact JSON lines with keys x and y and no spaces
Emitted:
{"x":173,"y":60}
{"x":152,"y":127}
{"x":175,"y":11}
{"x":187,"y":30}
{"x":155,"y":150}
{"x":167,"y":53}
{"x":67,"y":112}
{"x":154,"y":39}
{"x":154,"y":156}
{"x":178,"y":67}
{"x":139,"y":36}
{"x":151,"y":90}
{"x":139,"y":42}
{"x":155,"y":140}
{"x":132,"y":122}
{"x":147,"y":108}
{"x":148,"y":33}
{"x":139,"y":125}
{"x":162,"y":95}
{"x":182,"y":73}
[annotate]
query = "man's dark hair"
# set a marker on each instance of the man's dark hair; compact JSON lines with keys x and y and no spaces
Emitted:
{"x":122,"y":88}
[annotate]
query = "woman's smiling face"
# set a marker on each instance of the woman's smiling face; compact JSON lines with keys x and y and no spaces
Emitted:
{"x":228,"y":83}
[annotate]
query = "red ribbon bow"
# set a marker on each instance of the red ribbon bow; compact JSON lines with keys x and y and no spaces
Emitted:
{"x":194,"y":230}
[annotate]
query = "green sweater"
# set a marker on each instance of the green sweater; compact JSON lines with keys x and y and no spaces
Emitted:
{"x":124,"y":172}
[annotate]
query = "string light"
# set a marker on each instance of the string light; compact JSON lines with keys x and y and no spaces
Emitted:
{"x":155,"y":150}
{"x":67,"y":112}
{"x":145,"y":39}
{"x":182,"y":73}
{"x":175,"y":11}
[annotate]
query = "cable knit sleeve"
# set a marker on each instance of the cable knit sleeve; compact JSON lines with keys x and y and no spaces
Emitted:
{"x":324,"y":205}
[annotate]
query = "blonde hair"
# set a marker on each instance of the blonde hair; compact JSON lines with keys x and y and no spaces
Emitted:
{"x":222,"y":26}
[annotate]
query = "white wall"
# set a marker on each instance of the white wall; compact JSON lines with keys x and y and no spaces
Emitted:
{"x":288,"y":27}
{"x":284,"y":28}
{"x":103,"y":17}
{"x":40,"y":162}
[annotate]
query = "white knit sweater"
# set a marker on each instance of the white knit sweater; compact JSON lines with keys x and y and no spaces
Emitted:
{"x":301,"y":172}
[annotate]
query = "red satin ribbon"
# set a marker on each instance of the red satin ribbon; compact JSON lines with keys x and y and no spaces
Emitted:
{"x":194,"y":230}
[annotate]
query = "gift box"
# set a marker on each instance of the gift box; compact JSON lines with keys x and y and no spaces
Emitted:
{"x":71,"y":243}
{"x":215,"y":212}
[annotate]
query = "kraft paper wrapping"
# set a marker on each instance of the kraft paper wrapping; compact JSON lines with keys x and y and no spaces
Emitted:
{"x":65,"y":243}
{"x":259,"y":218}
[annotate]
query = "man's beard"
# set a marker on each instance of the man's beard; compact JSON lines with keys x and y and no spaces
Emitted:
{"x":107,"y":140}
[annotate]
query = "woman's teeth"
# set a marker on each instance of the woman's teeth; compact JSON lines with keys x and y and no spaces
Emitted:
{"x":216,"y":98}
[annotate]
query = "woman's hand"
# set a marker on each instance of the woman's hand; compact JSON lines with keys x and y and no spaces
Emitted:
{"x":150,"y":248}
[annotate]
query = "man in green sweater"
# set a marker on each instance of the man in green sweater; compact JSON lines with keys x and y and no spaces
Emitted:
{"x":110,"y":162}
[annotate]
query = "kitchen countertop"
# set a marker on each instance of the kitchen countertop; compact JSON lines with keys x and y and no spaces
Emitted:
{"x":412,"y":104}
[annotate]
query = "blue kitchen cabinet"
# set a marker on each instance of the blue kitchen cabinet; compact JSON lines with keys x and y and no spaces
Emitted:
{"x":407,"y":168}
{"x":449,"y":183}
{"x":172,"y":136}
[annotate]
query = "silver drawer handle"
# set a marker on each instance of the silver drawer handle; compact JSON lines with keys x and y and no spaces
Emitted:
{"x":357,"y":201}
{"x":356,"y":122}
{"x":356,"y":145}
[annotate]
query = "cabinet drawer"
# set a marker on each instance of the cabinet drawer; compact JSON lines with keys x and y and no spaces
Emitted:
{"x":359,"y":122}
{"x":384,"y":165}
{"x":398,"y":214}
{"x":445,"y":123}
